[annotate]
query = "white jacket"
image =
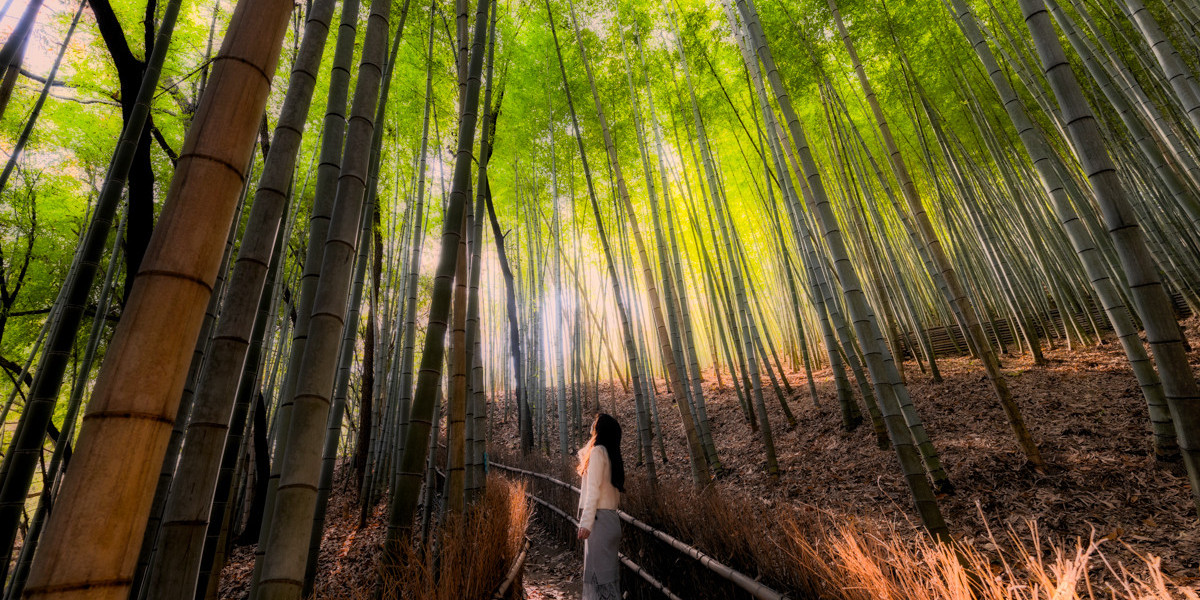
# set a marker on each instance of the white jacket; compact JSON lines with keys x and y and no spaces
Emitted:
{"x":597,"y":492}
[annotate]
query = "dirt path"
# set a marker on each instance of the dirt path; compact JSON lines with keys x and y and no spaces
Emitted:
{"x":553,"y":569}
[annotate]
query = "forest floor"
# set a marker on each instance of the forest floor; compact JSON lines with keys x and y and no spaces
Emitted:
{"x":348,"y":564}
{"x":1084,"y":409}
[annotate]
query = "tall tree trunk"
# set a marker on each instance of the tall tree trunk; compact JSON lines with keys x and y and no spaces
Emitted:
{"x":524,"y":419}
{"x":130,"y":72}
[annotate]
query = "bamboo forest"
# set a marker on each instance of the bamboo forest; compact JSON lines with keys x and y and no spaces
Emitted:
{"x":889,"y":299}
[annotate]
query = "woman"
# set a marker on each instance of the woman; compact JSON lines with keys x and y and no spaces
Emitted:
{"x":603,"y":474}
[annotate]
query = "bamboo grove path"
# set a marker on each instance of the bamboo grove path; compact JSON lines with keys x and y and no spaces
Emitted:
{"x":744,"y":586}
{"x":554,"y":568}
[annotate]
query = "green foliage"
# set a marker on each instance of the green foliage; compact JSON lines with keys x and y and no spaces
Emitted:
{"x":63,"y":166}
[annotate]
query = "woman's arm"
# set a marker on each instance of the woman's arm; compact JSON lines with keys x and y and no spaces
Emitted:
{"x":591,"y":487}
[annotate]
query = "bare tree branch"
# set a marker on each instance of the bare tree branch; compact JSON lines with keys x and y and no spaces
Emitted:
{"x":162,"y":142}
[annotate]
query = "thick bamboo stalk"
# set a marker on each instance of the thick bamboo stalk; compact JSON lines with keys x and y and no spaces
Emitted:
{"x":248,"y":401}
{"x":204,"y":343}
{"x":177,"y":560}
{"x":337,"y":411}
{"x":456,"y":401}
{"x":1149,"y":145}
{"x":287,"y":543}
{"x":186,"y":403}
{"x":20,"y":32}
{"x":333,"y":130}
{"x":379,"y":433}
{"x":475,"y":475}
{"x":107,"y":495}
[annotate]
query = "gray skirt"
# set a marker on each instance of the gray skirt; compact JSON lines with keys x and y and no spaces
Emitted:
{"x":601,"y":567}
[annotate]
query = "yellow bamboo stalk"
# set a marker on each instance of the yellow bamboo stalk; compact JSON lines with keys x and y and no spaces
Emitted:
{"x":91,"y":543}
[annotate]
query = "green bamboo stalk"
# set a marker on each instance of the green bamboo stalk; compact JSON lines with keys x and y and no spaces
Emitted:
{"x":1150,"y":301}
{"x":416,"y":444}
{"x":1045,"y":160}
{"x":878,"y":355}
{"x":287,"y":543}
{"x":333,"y":130}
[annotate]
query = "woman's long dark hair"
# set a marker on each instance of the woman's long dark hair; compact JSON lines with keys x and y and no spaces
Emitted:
{"x":606,"y":431}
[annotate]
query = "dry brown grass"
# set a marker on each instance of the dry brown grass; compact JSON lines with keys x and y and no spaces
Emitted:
{"x":471,"y":554}
{"x":807,"y":552}
{"x":863,"y":567}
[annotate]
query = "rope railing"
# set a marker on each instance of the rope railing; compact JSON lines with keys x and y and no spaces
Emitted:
{"x":747,"y":583}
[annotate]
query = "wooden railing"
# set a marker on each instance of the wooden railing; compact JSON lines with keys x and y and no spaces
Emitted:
{"x":755,"y":588}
